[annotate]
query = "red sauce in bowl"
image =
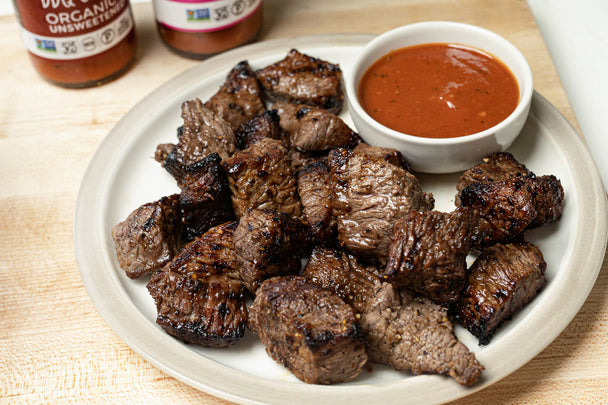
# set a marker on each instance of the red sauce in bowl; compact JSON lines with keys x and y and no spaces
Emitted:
{"x":438,"y":91}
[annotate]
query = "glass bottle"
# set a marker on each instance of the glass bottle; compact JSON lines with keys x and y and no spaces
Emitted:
{"x":78,"y":43}
{"x":199,"y":29}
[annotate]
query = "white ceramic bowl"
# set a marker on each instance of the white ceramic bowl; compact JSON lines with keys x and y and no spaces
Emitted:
{"x":441,"y":155}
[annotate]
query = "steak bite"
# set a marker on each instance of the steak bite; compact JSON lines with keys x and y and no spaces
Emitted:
{"x":204,"y":133}
{"x":300,"y":160}
{"x":506,"y":205}
{"x":313,"y":129}
{"x":537,"y":200}
{"x":503,"y":279}
{"x":402,"y":332}
{"x":210,"y":254}
{"x":163,"y":150}
{"x":149,"y":237}
{"x":392,"y":156}
{"x":495,"y":167}
{"x":303,"y":79}
{"x":259,"y":127}
{"x":369,"y":196}
{"x":414,"y":334}
{"x":315,"y":190}
{"x":205,"y":199}
{"x":428,"y":251}
{"x":341,"y":272}
{"x":268,"y":243}
{"x":309,"y":330}
{"x":209,"y":311}
{"x":240,"y":97}
{"x":548,"y":195}
{"x":261,"y":177}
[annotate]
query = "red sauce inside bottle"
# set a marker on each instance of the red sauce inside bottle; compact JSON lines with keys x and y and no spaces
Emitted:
{"x":199,"y":42}
{"x":75,"y":43}
{"x":438,"y":91}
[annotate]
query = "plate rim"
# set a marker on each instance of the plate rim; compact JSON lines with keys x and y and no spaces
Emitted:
{"x":583,"y":171}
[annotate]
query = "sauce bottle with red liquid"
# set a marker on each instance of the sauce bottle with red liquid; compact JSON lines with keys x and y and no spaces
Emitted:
{"x":199,"y":29}
{"x":78,"y":43}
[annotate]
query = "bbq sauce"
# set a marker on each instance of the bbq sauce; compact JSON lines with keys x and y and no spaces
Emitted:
{"x":78,"y":43}
{"x":199,"y":29}
{"x":438,"y":90}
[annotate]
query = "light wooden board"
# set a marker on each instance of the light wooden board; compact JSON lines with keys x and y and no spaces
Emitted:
{"x":55,"y":348}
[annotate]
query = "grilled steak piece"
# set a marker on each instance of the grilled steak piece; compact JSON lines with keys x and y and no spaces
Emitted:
{"x":259,"y":127}
{"x":369,"y":196}
{"x":495,"y":167}
{"x":503,"y":279}
{"x":149,"y":237}
{"x":546,"y":192}
{"x":507,"y":205}
{"x":204,"y":133}
{"x":162,"y":151}
{"x":261,"y":177}
{"x":341,"y":272}
{"x":269,"y":243}
{"x":314,"y":188}
{"x":300,"y":160}
{"x":208,"y":311}
{"x":240,"y":97}
{"x":428,"y":251}
{"x":303,"y":79}
{"x":205,"y":199}
{"x":548,"y":195}
{"x":314,"y":129}
{"x":210,"y":254}
{"x":392,"y":156}
{"x":400,"y":331}
{"x":309,"y":330}
{"x":415,"y":334}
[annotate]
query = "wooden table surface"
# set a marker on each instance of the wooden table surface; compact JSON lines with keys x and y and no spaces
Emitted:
{"x":55,"y":347}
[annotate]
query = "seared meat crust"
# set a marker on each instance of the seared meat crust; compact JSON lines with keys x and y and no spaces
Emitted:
{"x":149,"y":237}
{"x":548,"y":194}
{"x":315,"y":191}
{"x":342,"y":273}
{"x":204,"y":133}
{"x":239,"y":99}
{"x":414,"y":334}
{"x":261,"y":177}
{"x":205,"y":200}
{"x":259,"y":127}
{"x":210,"y":254}
{"x":209,"y":311}
{"x":369,"y":196}
{"x":507,"y":206}
{"x":269,"y":243}
{"x":509,"y":196}
{"x":303,"y":79}
{"x":496,"y":167}
{"x":408,"y":334}
{"x":309,"y":330}
{"x":503,"y":279}
{"x":428,"y":251}
{"x":300,"y":160}
{"x":392,"y":156}
{"x":313,"y":129}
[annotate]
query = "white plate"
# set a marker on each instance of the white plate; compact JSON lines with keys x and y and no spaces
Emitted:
{"x":123,"y":175}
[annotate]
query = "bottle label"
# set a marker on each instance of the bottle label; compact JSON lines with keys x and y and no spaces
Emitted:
{"x":205,"y":15}
{"x":79,"y":46}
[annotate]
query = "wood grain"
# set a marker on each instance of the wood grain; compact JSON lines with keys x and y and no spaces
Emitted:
{"x":54,"y":346}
